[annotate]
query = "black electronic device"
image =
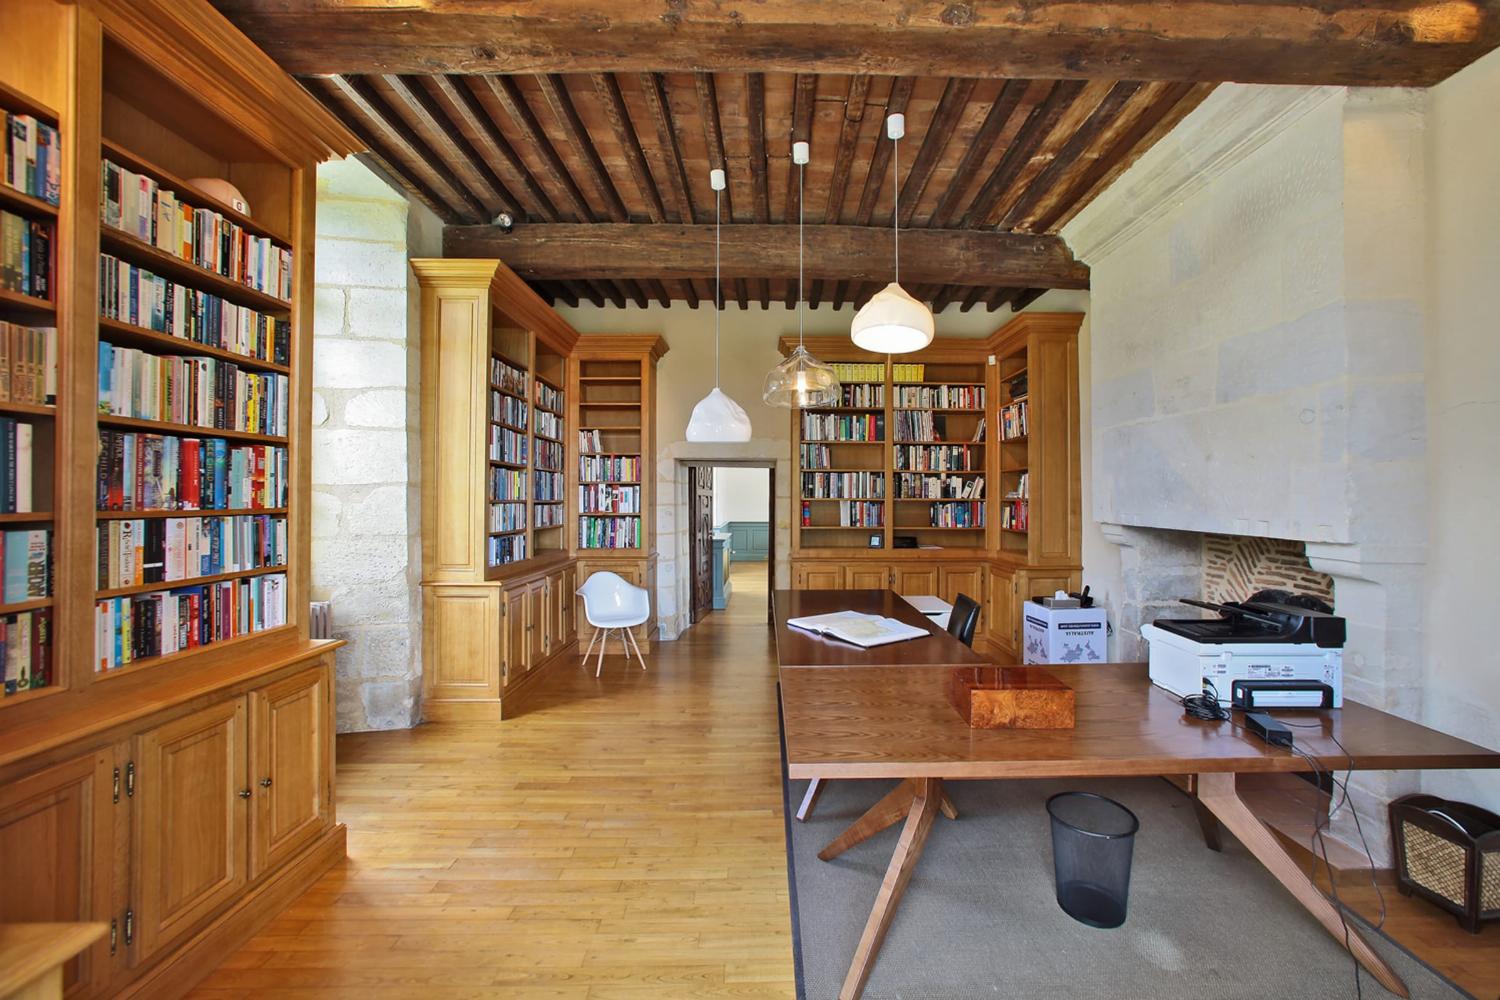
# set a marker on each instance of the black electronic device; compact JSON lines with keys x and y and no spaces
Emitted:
{"x":1259,"y":622}
{"x":1253,"y":694}
{"x":904,"y":542}
{"x":1275,"y":733}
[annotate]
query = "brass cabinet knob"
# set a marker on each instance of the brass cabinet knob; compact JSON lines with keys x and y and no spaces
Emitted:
{"x":244,"y":793}
{"x":265,"y":782}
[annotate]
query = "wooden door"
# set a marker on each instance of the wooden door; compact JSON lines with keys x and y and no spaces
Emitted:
{"x":536,"y":624}
{"x":514,"y":661}
{"x":819,"y":576}
{"x":966,"y":579}
{"x":57,"y":836}
{"x":1004,"y":621}
{"x":868,"y":576}
{"x":566,"y":604}
{"x":916,"y":579}
{"x":192,"y":805}
{"x":701,"y":544}
{"x":291,"y":765}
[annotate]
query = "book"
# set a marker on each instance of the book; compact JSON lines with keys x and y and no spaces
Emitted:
{"x":27,"y":565}
{"x":860,"y":629}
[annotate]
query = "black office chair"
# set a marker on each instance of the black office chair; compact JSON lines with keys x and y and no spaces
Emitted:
{"x":963,"y":619}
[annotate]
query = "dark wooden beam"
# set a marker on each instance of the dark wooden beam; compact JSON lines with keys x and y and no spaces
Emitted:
{"x":998,"y":297}
{"x":857,"y":253}
{"x":1026,"y":298}
{"x":466,"y":105}
{"x":655,"y":92}
{"x":875,"y":177}
{"x":659,"y":290}
{"x":1343,"y":42}
{"x":713,"y":135}
{"x":755,"y":117}
{"x":607,"y":87}
{"x":555,"y":93}
{"x":686,"y":291}
{"x":939,"y":130}
{"x":804,"y":93}
{"x":989,"y":132}
{"x":843,"y":162}
{"x":972,"y":298}
{"x":946,"y":296}
{"x":513,"y":101}
{"x":448,"y":141}
{"x":1038,"y":124}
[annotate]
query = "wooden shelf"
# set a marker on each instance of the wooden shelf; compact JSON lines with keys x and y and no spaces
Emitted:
{"x":827,"y":441}
{"x":543,"y":409}
{"x":195,"y":581}
{"x":20,"y":102}
{"x":140,"y":515}
{"x":609,"y":482}
{"x":613,"y":404}
{"x":842,"y":409}
{"x":32,"y":605}
{"x":508,"y":465}
{"x":517,"y":365}
{"x":508,"y":531}
{"x":30,"y":409}
{"x":508,"y":392}
{"x":543,"y":437}
{"x":130,"y":335}
{"x":187,"y":193}
{"x":186,"y":430}
{"x":607,"y":428}
{"x":839,"y":499}
{"x":1016,"y":531}
{"x":26,"y":517}
{"x":939,"y":409}
{"x":153,"y":661}
{"x":609,"y":378}
{"x":1018,"y":439}
{"x":971,"y":444}
{"x":24,"y":204}
{"x":30,"y":694}
{"x":510,"y":427}
{"x":169,"y":265}
{"x":16,"y":301}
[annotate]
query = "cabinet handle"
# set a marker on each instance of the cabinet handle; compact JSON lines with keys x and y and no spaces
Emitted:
{"x":244,"y":793}
{"x":130,"y":784}
{"x":129,"y":927}
{"x":265,"y":782}
{"x":117,"y":799}
{"x":114,"y":934}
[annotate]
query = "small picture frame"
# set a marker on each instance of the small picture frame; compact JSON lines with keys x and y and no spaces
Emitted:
{"x":877,"y":541}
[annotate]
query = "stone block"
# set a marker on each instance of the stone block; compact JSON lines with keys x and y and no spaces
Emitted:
{"x":379,"y":408}
{"x":347,"y":218}
{"x":1124,"y":398}
{"x":354,"y":457}
{"x":1309,"y":350}
{"x":1388,"y":420}
{"x":375,"y":651}
{"x":1385,"y":337}
{"x":340,"y":562}
{"x":326,"y":508}
{"x":349,"y":178}
{"x":381,"y":512}
{"x":329,"y":304}
{"x":319,"y":409}
{"x":348,"y":364}
{"x":378,"y":313}
{"x":358,"y":263}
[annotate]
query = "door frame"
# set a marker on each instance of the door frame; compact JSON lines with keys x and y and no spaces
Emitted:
{"x":739,"y":463}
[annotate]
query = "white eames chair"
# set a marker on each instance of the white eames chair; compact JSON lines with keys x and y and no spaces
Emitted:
{"x":613,"y":604}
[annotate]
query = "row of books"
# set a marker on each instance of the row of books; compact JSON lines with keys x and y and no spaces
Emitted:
{"x":134,"y":295}
{"x":508,"y":410}
{"x":1013,"y":423}
{"x":548,"y":425}
{"x":507,"y":377}
{"x":27,"y":558}
{"x":941,"y":397}
{"x":549,"y":486}
{"x":503,"y":549}
{"x":33,"y":158}
{"x":609,"y":468}
{"x":843,"y":426}
{"x":958,"y":514}
{"x":609,"y":532}
{"x":27,"y":263}
{"x":17,"y":465}
{"x":838,"y":485}
{"x":508,"y":484}
{"x":603,"y":498}
{"x":1014,"y":515}
{"x":859,"y":371}
{"x":508,"y":516}
{"x":549,"y":515}
{"x":1022,"y":489}
{"x":136,"y":204}
{"x":132,"y":552}
{"x":913,"y":486}
{"x":507,"y":445}
{"x":590,"y":441}
{"x":136,"y":471}
{"x":852,"y":514}
{"x":908,"y":372}
{"x":186,"y":389}
{"x":862,"y":394}
{"x":28,"y":364}
{"x":26,"y":650}
{"x":924,"y":425}
{"x":128,"y":629}
{"x":938,"y":457}
{"x":549,"y":456}
{"x":549,"y":398}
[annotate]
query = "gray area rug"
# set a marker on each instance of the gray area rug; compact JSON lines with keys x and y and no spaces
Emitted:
{"x":980,"y":918}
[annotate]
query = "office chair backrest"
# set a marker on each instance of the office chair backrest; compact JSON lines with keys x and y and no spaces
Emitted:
{"x":963,"y":619}
{"x":607,"y":593}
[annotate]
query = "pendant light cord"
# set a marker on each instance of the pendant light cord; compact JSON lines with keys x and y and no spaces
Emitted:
{"x":718,"y":304}
{"x":801,"y":242}
{"x":896,"y":200}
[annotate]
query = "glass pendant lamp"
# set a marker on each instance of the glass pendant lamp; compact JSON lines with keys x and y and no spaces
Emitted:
{"x":801,"y":380}
{"x":893,"y":322}
{"x":717,"y":417}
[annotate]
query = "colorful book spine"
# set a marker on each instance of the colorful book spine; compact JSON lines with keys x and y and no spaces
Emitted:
{"x":137,"y":552}
{"x":33,"y":158}
{"x":191,"y":390}
{"x":142,"y":626}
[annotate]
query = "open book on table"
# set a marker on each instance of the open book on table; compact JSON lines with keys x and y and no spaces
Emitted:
{"x":860,"y":629}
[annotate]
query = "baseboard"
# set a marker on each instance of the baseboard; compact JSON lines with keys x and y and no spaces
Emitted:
{"x":175,"y":975}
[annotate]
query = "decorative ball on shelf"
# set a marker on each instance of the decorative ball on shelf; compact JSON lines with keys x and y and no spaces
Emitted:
{"x":221,"y":190}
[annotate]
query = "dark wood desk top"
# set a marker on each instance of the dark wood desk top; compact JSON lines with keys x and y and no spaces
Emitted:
{"x":796,"y":648}
{"x":882,"y":723}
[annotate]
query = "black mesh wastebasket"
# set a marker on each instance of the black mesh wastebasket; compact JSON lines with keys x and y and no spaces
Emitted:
{"x":1092,"y":840}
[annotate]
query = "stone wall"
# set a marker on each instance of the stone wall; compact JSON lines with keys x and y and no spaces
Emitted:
{"x":366,"y":555}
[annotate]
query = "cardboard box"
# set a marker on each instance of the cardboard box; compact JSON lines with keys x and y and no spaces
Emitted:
{"x":1064,"y":635}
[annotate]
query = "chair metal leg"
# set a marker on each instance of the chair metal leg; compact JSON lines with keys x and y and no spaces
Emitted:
{"x":599,"y":666}
{"x":630,"y":633}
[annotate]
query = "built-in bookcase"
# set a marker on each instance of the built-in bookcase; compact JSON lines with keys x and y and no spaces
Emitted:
{"x":508,"y":531}
{"x":549,"y":493}
{"x":611,"y":429}
{"x":939,"y":451}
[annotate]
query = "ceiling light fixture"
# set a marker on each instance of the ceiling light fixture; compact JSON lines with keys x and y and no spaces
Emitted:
{"x":893,"y":322}
{"x":801,"y":380}
{"x":717,"y":417}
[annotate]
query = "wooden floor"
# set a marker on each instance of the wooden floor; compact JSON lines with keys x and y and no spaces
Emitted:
{"x":623,"y":840}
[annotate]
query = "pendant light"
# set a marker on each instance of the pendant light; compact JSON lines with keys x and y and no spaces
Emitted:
{"x":717,"y":417}
{"x":801,"y":380}
{"x":893,"y":322}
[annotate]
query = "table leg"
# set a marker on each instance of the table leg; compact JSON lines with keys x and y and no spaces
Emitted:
{"x":926,"y":794}
{"x":1216,"y":791}
{"x":810,"y":800}
{"x":883,"y":814}
{"x":946,"y":805}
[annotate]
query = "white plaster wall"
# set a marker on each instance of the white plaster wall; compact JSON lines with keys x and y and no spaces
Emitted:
{"x":366,"y":467}
{"x":741,"y":494}
{"x":1462,"y":678}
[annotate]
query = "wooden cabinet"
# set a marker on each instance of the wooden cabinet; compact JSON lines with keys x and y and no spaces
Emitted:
{"x":818,"y":576}
{"x":915,"y":579}
{"x":537,"y":633}
{"x":1001,"y":608}
{"x":291,"y":743}
{"x":516,"y":658}
{"x":868,"y":576}
{"x":192,"y":802}
{"x":57,"y":837}
{"x":560,"y":606}
{"x":967,"y":579}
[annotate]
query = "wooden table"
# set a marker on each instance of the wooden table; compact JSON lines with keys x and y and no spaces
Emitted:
{"x":33,"y":957}
{"x":882,"y":723}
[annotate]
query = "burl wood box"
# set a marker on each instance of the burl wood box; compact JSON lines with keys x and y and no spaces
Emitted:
{"x":1011,"y":698}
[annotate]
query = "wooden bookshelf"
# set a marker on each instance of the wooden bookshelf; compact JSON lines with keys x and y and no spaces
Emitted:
{"x":175,"y":82}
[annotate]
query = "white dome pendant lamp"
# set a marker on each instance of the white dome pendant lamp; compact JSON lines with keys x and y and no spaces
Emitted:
{"x":717,"y":417}
{"x":801,"y":380}
{"x":893,"y":322}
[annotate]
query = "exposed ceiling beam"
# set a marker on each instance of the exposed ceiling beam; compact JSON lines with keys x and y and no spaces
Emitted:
{"x":875,"y":175}
{"x":555,"y":93}
{"x":654,"y":90}
{"x":607,"y":251}
{"x":1374,"y":42}
{"x":607,"y":87}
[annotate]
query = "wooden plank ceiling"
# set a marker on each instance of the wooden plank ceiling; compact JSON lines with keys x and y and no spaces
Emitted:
{"x":619,"y":150}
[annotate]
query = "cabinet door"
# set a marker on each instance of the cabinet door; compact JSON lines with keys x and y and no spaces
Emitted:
{"x":536,"y":624}
{"x":819,"y":576}
{"x":868,"y":576}
{"x":966,"y":579}
{"x":291,"y":767}
{"x":911,"y":580}
{"x":192,"y":803}
{"x":57,"y":854}
{"x":566,"y":604}
{"x":513,"y":659}
{"x":1004,"y":627}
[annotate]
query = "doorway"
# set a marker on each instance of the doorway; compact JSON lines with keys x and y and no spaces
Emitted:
{"x":731,"y":539}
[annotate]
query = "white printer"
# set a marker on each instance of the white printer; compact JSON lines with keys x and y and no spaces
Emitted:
{"x":1258,"y":654}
